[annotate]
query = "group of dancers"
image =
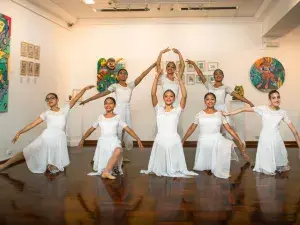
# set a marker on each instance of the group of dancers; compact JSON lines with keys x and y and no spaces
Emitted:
{"x":217,"y":139}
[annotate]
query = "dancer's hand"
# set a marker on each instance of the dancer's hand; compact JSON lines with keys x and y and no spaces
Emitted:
{"x":226,"y":113}
{"x":83,"y":102}
{"x":175,"y":50}
{"x":251,"y":104}
{"x":243,"y":152}
{"x":89,"y":87}
{"x":81,"y":143}
{"x":16,"y":138}
{"x":166,"y":50}
{"x":140,"y":145}
{"x":190,"y":62}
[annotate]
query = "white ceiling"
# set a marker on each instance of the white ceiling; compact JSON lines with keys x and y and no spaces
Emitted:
{"x":246,"y":8}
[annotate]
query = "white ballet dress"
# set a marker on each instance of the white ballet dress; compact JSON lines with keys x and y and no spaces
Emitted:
{"x":167,"y":156}
{"x":173,"y":85}
{"x":221,"y":93}
{"x":107,"y":143}
{"x":271,"y":153}
{"x":123,"y":97}
{"x":214,"y":152}
{"x":50,"y":148}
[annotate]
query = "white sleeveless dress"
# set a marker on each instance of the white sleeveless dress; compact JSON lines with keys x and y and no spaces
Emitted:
{"x":271,"y":153}
{"x":123,"y":97}
{"x":107,"y":142}
{"x":167,"y":156}
{"x":51,"y":146}
{"x":214,"y":152}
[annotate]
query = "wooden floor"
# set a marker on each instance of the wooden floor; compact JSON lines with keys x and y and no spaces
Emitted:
{"x":73,"y":197}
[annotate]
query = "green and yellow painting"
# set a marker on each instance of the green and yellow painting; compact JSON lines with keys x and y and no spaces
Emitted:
{"x":107,"y":71}
{"x":5,"y":30}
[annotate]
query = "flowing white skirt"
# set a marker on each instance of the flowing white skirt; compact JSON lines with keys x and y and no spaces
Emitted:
{"x":271,"y":153}
{"x":125,"y":114}
{"x":214,"y":153}
{"x":104,"y":150}
{"x":167,"y":158}
{"x":49,"y":148}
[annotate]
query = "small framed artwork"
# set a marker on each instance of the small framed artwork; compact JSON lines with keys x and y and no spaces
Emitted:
{"x":36,"y":69}
{"x":211,"y":78}
{"x":190,"y":68}
{"x":198,"y":79}
{"x":23,"y":68}
{"x":212,"y":66}
{"x":30,"y":51}
{"x":24,"y":47}
{"x":201,"y":65}
{"x":190,"y":79}
{"x":37,"y":52}
{"x":30,"y":69}
{"x":75,"y":92}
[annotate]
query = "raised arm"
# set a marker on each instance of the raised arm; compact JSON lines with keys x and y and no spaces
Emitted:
{"x":132,"y":134}
{"x":198,"y":71}
{"x":243,"y":99}
{"x":181,"y":62}
{"x":183,"y":91}
{"x":79,"y":95}
{"x":154,"y":88}
{"x":295,"y":133}
{"x":27,"y":128}
{"x":189,"y":132}
{"x":145,"y":73}
{"x":158,"y":61}
{"x":96,"y":96}
{"x":86,"y":135}
{"x":246,"y":109}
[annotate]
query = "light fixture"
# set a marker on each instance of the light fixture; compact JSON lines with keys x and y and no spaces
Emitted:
{"x":158,"y":7}
{"x":88,"y":2}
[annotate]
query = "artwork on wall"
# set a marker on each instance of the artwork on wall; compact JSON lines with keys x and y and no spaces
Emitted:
{"x":30,"y":50}
{"x":37,"y":51}
{"x":23,"y":68}
{"x":210,"y":78}
{"x":211,"y":66}
{"x":37,"y":69}
{"x":201,"y":65}
{"x":190,"y":79}
{"x":190,"y":68}
{"x":107,"y":71}
{"x":5,"y":34}
{"x":24,"y":49}
{"x":267,"y":74}
{"x":30,"y":69}
{"x":198,"y":80}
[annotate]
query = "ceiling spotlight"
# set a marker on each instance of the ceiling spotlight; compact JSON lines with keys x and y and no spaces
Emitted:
{"x":88,"y":2}
{"x":147,"y":8}
{"x":172,"y":8}
{"x":110,"y":2}
{"x":158,"y":7}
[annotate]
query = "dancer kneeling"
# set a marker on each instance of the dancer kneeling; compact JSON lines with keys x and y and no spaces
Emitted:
{"x":109,"y":151}
{"x":214,"y":152}
{"x":167,"y":156}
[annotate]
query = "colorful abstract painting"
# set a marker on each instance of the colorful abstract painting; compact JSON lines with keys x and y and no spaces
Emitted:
{"x":5,"y":30}
{"x":267,"y":74}
{"x":107,"y":71}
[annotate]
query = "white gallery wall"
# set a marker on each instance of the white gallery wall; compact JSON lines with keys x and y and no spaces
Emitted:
{"x":234,"y":45}
{"x":26,"y":100}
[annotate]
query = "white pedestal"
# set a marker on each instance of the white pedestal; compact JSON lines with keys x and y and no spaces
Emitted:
{"x":239,"y":119}
{"x":74,"y":125}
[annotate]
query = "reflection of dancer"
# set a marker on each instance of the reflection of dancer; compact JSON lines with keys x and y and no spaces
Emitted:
{"x":108,"y":151}
{"x":271,"y":153}
{"x":49,"y":150}
{"x":220,"y":90}
{"x":123,"y":91}
{"x":214,"y":152}
{"x":168,"y":80}
{"x":167,"y":157}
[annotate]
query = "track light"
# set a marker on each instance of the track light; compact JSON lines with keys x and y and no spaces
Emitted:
{"x":88,"y":2}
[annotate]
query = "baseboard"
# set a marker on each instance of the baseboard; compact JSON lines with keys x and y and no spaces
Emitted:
{"x":249,"y":144}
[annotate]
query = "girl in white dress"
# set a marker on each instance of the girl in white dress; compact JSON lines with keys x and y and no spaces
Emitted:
{"x":168,"y":80}
{"x":123,"y":91}
{"x":49,"y":150}
{"x":271,"y":153}
{"x":167,"y":156}
{"x":214,"y":152}
{"x":108,"y":151}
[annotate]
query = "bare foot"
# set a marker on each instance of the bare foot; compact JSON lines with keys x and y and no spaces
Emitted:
{"x":107,"y":176}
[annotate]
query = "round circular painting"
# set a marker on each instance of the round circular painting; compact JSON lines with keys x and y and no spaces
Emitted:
{"x":267,"y":74}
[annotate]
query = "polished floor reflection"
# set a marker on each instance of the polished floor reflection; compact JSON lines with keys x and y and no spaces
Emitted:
{"x":73,"y":197}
